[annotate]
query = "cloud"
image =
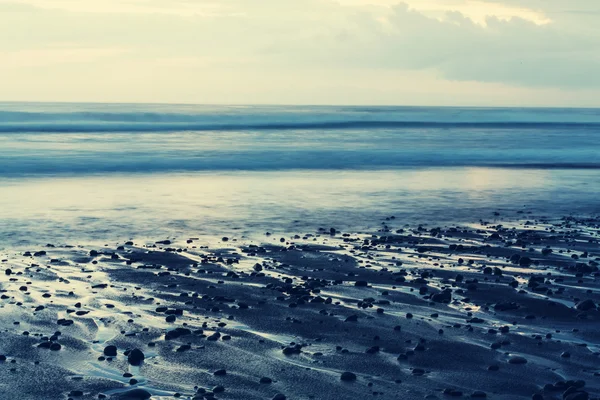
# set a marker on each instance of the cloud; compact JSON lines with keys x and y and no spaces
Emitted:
{"x":55,"y":56}
{"x":476,"y":10}
{"x":532,"y":45}
{"x":173,"y":7}
{"x":515,"y":51}
{"x":553,"y":6}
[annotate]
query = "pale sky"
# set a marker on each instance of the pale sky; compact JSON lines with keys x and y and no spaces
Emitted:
{"x":411,"y":52}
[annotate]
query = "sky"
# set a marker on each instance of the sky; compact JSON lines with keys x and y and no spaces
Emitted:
{"x":407,"y":52}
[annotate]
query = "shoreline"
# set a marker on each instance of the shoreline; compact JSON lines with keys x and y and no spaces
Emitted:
{"x":405,"y":312}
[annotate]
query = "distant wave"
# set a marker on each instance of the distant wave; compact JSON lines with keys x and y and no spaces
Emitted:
{"x":158,"y":126}
{"x":102,"y":163}
{"x":115,"y":139}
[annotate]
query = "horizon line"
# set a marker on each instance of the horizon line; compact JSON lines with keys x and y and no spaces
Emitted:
{"x":300,"y":105}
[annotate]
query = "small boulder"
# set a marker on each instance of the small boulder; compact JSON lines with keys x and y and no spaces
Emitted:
{"x":348,"y":376}
{"x":586,"y":305}
{"x":135,"y":357}
{"x":110,"y":351}
{"x":517,"y":360}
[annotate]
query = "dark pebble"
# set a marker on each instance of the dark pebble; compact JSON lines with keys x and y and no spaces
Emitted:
{"x":348,"y":377}
{"x":135,"y":357}
{"x":110,"y":351}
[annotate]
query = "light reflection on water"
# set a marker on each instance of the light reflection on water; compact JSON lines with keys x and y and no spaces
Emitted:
{"x":111,"y":208}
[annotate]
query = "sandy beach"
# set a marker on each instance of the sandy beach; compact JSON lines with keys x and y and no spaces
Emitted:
{"x":503,"y":309}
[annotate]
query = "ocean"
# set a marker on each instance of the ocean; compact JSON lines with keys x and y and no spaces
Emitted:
{"x":93,"y":173}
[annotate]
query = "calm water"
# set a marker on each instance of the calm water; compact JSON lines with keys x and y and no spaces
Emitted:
{"x":79,"y":173}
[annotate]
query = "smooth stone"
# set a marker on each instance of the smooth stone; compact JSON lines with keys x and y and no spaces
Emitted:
{"x":348,"y":376}
{"x":110,"y":351}
{"x":517,"y":360}
{"x":135,"y":357}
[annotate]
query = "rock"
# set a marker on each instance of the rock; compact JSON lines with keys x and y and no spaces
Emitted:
{"x":170,"y":318}
{"x":517,"y":360}
{"x":135,"y":357}
{"x":348,"y":376}
{"x":443,"y":297}
{"x":577,"y":396}
{"x":525,"y":261}
{"x":100,"y":286}
{"x":55,"y":347}
{"x":218,"y":389}
{"x":265,"y":380}
{"x":586,"y":305}
{"x":110,"y":351}
{"x":478,"y":395}
{"x":352,"y":318}
{"x":64,"y":322}
{"x":220,"y":372}
{"x":289,"y":350}
{"x":279,"y":396}
{"x":178,"y":332}
{"x":453,"y":392}
{"x":361,"y":283}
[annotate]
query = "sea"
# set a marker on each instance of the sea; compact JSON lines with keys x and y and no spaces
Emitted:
{"x":74,"y":174}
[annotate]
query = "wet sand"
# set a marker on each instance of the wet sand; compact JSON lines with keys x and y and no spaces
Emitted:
{"x":498,"y":309}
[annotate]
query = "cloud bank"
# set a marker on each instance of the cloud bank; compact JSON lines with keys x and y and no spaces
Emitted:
{"x":543,"y":51}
